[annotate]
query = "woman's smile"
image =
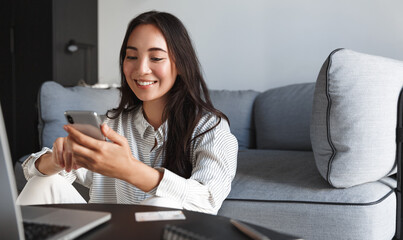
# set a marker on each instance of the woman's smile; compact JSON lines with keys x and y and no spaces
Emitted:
{"x":144,"y":84}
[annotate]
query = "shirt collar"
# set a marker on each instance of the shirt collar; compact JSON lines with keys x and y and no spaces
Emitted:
{"x":141,"y":124}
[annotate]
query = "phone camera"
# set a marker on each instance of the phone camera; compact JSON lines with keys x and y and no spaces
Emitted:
{"x":70,"y":119}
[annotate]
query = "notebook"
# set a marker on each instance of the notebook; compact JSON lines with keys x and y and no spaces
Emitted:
{"x":22,"y":222}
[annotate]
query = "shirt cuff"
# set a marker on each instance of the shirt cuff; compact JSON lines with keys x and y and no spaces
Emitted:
{"x":29,"y":164}
{"x":153,"y":191}
{"x":172,"y":186}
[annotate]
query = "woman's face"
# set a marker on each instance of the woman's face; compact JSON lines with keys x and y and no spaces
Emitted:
{"x":149,"y":71}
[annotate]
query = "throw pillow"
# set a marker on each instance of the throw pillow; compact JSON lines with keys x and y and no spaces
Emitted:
{"x":54,"y":100}
{"x":353,"y":125}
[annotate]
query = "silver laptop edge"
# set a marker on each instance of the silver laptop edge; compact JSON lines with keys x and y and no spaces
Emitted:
{"x":11,"y":215}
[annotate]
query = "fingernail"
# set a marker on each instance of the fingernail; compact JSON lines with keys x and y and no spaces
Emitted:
{"x":65,"y":127}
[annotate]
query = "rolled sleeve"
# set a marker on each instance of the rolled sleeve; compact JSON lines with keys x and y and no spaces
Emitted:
{"x":30,"y":169}
{"x":28,"y":165}
{"x":172,"y":186}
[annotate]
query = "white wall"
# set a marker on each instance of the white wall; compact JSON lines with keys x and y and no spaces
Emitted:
{"x":261,"y":44}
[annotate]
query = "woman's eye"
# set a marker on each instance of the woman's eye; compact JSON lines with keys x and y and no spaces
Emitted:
{"x":156,"y":59}
{"x":131,"y":57}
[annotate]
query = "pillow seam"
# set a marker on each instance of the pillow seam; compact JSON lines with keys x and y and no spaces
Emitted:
{"x":329,"y":106}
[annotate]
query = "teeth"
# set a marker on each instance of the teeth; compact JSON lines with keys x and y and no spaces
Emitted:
{"x":144,"y":83}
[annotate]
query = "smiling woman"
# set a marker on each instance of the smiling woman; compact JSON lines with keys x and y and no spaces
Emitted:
{"x":148,"y":69}
{"x":168,"y":145}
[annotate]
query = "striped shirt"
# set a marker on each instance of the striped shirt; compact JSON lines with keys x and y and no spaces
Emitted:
{"x":213,"y":157}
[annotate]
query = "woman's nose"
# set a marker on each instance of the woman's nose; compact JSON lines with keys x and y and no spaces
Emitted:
{"x":142,"y":67}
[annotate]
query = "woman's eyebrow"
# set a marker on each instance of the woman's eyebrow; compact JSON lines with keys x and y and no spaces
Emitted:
{"x":130,"y":47}
{"x":153,"y":49}
{"x":156,"y":49}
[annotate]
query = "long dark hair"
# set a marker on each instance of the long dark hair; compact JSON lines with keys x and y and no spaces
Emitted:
{"x":188,"y":99}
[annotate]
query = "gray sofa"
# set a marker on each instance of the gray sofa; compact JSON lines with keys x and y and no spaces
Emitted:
{"x":281,"y":181}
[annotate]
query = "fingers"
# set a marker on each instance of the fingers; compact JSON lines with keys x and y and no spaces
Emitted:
{"x":58,"y":152}
{"x":95,"y":155}
{"x":62,"y":156}
{"x":81,"y":138}
{"x":66,"y":152}
{"x":112,"y":135}
{"x":81,"y":162}
{"x":67,"y":156}
{"x":76,"y":155}
{"x":79,"y":149}
{"x":76,"y":166}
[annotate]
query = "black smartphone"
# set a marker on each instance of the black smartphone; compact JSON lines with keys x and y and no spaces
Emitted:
{"x":87,"y":122}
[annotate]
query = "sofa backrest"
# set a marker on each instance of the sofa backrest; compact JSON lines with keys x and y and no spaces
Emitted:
{"x":238,"y":106}
{"x":54,"y":100}
{"x":275,"y":119}
{"x":282,"y":117}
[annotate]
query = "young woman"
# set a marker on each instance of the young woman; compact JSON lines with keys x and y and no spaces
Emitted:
{"x":167,"y":145}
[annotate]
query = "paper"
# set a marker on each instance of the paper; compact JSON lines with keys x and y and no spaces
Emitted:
{"x":159,"y":216}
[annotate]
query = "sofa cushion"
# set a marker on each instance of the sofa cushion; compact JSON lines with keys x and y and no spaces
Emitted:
{"x":237,"y":105}
{"x":282,"y":117}
{"x":283,"y":191}
{"x":353,"y":128}
{"x":277,"y":175}
{"x":54,"y":100}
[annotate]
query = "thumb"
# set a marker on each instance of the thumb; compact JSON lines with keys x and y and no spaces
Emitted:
{"x":111,"y":135}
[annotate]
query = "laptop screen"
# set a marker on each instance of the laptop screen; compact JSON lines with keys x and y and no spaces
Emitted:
{"x":10,"y":214}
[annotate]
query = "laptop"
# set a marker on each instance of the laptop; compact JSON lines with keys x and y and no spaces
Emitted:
{"x":23,"y":222}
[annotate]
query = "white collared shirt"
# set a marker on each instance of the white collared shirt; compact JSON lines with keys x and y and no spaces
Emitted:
{"x":213,"y":156}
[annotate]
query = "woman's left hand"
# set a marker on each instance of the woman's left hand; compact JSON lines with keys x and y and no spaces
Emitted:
{"x":111,"y":159}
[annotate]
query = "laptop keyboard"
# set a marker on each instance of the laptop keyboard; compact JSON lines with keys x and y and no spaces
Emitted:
{"x":41,"y":231}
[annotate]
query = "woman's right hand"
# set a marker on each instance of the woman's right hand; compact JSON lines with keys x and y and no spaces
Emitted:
{"x":56,"y":161}
{"x":57,"y":153}
{"x":61,"y":156}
